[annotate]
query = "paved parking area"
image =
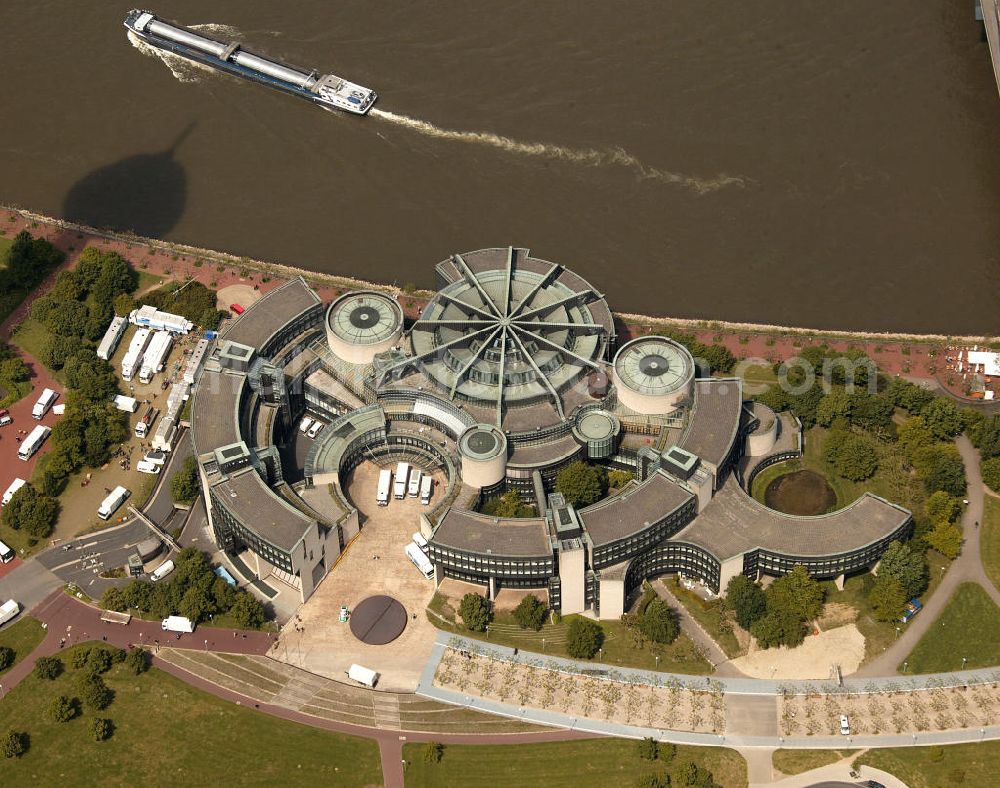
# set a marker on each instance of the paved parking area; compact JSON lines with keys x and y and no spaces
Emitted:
{"x":315,"y":640}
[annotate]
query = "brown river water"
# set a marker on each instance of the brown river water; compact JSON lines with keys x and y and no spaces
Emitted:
{"x":827,"y":165}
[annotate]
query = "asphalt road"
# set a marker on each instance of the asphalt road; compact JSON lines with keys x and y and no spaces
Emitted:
{"x":29,"y":584}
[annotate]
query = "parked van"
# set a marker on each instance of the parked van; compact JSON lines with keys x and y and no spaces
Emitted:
{"x":6,"y":553}
{"x":402,"y":477}
{"x":419,"y":541}
{"x":419,"y":560}
{"x":9,"y":610}
{"x":162,"y":571}
{"x":426,"y":488}
{"x":155,"y":457}
{"x":305,"y":424}
{"x":177,"y":624}
{"x":144,"y":466}
{"x":110,"y":504}
{"x":315,"y":428}
{"x":15,"y":485}
{"x":414,"y":487}
{"x":384,"y":483}
{"x":362,"y":675}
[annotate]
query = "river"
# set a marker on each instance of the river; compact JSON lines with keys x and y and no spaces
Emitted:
{"x":825,"y":165}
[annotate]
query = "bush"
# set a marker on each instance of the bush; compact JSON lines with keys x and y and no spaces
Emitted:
{"x":137,"y":661}
{"x":946,"y":538}
{"x":530,"y":613}
{"x":652,"y":781}
{"x":99,"y":660}
{"x":746,"y":599}
{"x":584,"y":638}
{"x":647,"y":749}
{"x":852,"y":456}
{"x":79,"y":658}
{"x":582,"y":484}
{"x":618,"y":479}
{"x":94,"y":692}
{"x":48,"y":668}
{"x":475,"y":612}
{"x":687,"y":773}
{"x":659,"y":622}
{"x":887,"y":598}
{"x":991,"y":473}
{"x":6,"y":657}
{"x":184,"y":487}
{"x":778,"y":628}
{"x":13,"y":744}
{"x":433,"y":752}
{"x":63,"y":709}
{"x":102,"y":729}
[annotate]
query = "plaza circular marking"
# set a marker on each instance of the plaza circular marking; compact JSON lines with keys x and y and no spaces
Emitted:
{"x":378,"y":620}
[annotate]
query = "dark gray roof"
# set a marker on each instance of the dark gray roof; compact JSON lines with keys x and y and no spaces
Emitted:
{"x":616,"y":518}
{"x":715,"y":419}
{"x":733,"y":523}
{"x":478,"y":533}
{"x":213,"y":414}
{"x":261,"y":510}
{"x":263,"y":318}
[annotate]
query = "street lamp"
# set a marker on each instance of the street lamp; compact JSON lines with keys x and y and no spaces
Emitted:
{"x":905,"y":663}
{"x":657,"y":658}
{"x":487,"y":637}
{"x":543,"y":645}
{"x":600,"y":654}
{"x":897,"y":633}
{"x":206,"y":644}
{"x":964,"y":660}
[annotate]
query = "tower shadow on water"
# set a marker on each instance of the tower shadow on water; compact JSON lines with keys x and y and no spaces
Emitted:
{"x":145,"y":193}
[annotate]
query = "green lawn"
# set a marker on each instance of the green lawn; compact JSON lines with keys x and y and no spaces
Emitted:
{"x":168,"y":733}
{"x":797,"y":761}
{"x":604,"y":762}
{"x":681,"y":656}
{"x":968,"y":627}
{"x":30,"y":337}
{"x":989,"y":539}
{"x":712,"y":617}
{"x":22,"y":636}
{"x":929,"y":767}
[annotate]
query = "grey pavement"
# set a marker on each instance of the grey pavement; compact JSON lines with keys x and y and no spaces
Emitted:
{"x":835,"y":774}
{"x":29,"y":584}
{"x":82,"y":560}
{"x":756,"y":715}
{"x":161,"y":506}
{"x":967,"y":568}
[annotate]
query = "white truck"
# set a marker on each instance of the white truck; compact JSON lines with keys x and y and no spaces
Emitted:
{"x":162,"y":571}
{"x":384,"y":483}
{"x":155,"y":356}
{"x":362,"y":675}
{"x":426,"y":489}
{"x":110,"y":504}
{"x":6,"y":553}
{"x":133,"y":356}
{"x":15,"y":485}
{"x":9,"y":610}
{"x":33,"y":442}
{"x":177,"y":624}
{"x":420,"y":560}
{"x":46,"y":401}
{"x":416,"y":477}
{"x":305,"y":424}
{"x":402,"y":477}
{"x":143,"y":425}
{"x":125,"y":404}
{"x":112,"y":337}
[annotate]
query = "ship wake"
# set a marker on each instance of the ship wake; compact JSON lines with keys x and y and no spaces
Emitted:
{"x":588,"y":157}
{"x":184,"y":70}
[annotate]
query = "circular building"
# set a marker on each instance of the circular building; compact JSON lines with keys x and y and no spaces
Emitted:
{"x":362,"y":324}
{"x":482,"y":450}
{"x":653,"y":375}
{"x":598,"y":431}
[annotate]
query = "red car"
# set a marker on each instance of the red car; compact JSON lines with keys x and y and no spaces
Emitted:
{"x":237,"y":309}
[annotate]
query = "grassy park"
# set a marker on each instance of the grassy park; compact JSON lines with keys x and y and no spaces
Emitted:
{"x":555,"y":764}
{"x":928,"y":767}
{"x":167,"y":733}
{"x":968,"y":627}
{"x":989,"y":540}
{"x":22,"y":636}
{"x":798,"y":761}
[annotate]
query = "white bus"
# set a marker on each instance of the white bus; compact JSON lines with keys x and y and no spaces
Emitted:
{"x":33,"y":442}
{"x":384,"y":483}
{"x":6,"y":553}
{"x":420,"y":560}
{"x":15,"y":485}
{"x":413,"y":490}
{"x":426,"y":488}
{"x":402,"y":476}
{"x":44,"y":403}
{"x":110,"y":504}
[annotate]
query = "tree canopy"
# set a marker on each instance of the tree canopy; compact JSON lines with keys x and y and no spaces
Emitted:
{"x":184,"y":486}
{"x":659,"y":622}
{"x":582,"y":484}
{"x":530,"y":613}
{"x":584,"y":638}
{"x":903,"y":563}
{"x":33,"y":513}
{"x":192,"y":300}
{"x":852,"y":456}
{"x":475,"y":612}
{"x":746,"y":599}
{"x":887,"y":598}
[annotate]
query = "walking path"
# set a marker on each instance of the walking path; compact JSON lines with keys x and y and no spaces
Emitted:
{"x":694,"y":630}
{"x":967,"y":568}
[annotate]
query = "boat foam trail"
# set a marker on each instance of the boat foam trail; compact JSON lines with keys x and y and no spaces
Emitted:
{"x":184,"y":70}
{"x":591,"y":157}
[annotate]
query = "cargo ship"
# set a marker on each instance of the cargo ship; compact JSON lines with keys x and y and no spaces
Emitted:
{"x":327,"y":90}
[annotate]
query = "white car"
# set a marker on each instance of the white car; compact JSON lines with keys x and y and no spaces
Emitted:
{"x":315,"y":428}
{"x":845,"y":725}
{"x":144,"y":466}
{"x":305,"y":425}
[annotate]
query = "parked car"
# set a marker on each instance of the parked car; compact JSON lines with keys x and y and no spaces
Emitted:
{"x":237,"y":309}
{"x":344,"y":613}
{"x":5,"y":420}
{"x":845,"y":725}
{"x":913,"y":607}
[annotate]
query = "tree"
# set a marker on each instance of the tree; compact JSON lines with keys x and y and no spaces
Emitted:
{"x":530,"y":613}
{"x":433,"y":752}
{"x":905,"y":565}
{"x":871,"y":412}
{"x":13,"y":743}
{"x":125,"y":304}
{"x":67,"y":287}
{"x":33,"y":513}
{"x":94,"y":692}
{"x":647,"y":748}
{"x":99,"y":660}
{"x":942,"y":418}
{"x":946,"y":538}
{"x":991,"y":473}
{"x":184,"y":487}
{"x":797,"y":593}
{"x":582,"y":484}
{"x":56,"y":349}
{"x":247,"y":610}
{"x":719,"y":357}
{"x":102,"y":729}
{"x":836,"y":404}
{"x":942,"y":469}
{"x":887,"y":598}
{"x":853,"y":456}
{"x":137,"y":661}
{"x":63,"y":708}
{"x":908,"y":396}
{"x":6,"y":657}
{"x":746,"y":599}
{"x":584,"y":638}
{"x":507,"y":505}
{"x":942,"y":508}
{"x":618,"y":479}
{"x":778,"y":628}
{"x":48,"y":668}
{"x":985,"y":436}
{"x":913,"y":435}
{"x":14,"y":370}
{"x":659,"y":622}
{"x":686,"y":773}
{"x":475,"y":612}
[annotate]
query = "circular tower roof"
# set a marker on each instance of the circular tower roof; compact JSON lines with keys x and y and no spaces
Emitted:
{"x":482,"y":442}
{"x":362,"y":323}
{"x":653,"y":374}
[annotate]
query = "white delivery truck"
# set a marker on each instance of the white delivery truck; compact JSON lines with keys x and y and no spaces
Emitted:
{"x":305,"y":424}
{"x":133,"y":356}
{"x":362,"y":675}
{"x":33,"y":442}
{"x":155,"y":356}
{"x":413,"y":489}
{"x":402,"y":477}
{"x":46,"y":401}
{"x":177,"y":624}
{"x":15,"y":485}
{"x":162,"y":571}
{"x":144,"y":466}
{"x":384,"y":483}
{"x":9,"y":610}
{"x":426,"y":488}
{"x":110,"y":504}
{"x":420,"y":560}
{"x":143,"y":425}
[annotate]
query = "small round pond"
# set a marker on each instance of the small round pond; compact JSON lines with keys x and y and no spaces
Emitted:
{"x":801,"y":493}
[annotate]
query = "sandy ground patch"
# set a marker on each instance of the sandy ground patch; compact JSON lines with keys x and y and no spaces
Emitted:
{"x":244,"y":295}
{"x":844,"y":646}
